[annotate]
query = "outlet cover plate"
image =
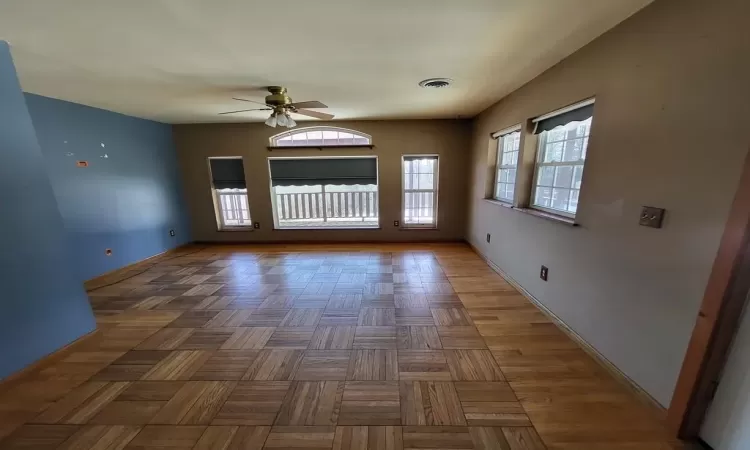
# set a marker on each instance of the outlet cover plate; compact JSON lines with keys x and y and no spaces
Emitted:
{"x":651,"y":217}
{"x":171,"y":232}
{"x":256,"y":225}
{"x":395,"y":223}
{"x":544,"y":273}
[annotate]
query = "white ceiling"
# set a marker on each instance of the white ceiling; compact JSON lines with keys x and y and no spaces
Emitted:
{"x":181,"y":61}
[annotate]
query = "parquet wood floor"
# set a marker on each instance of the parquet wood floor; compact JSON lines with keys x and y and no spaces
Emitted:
{"x":362,"y":347}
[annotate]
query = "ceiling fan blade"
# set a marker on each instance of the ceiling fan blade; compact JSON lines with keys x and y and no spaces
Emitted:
{"x":245,"y":110}
{"x":316,"y":114}
{"x":251,"y":101}
{"x":310,"y":104}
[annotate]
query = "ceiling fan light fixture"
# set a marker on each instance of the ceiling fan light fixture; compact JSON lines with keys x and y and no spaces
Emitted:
{"x":290,"y":123}
{"x":271,"y":121}
{"x":281,"y":119}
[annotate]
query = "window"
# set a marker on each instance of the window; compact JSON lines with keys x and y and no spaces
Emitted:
{"x":420,"y":182}
{"x":563,"y":142}
{"x":508,"y":143}
{"x":320,"y":136}
{"x":324,"y":192}
{"x":230,"y":193}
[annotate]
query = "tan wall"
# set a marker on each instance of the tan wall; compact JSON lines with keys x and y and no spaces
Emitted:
{"x":449,"y":139}
{"x":671,"y":129}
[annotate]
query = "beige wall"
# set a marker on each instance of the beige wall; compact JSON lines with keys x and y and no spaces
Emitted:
{"x":449,"y":139}
{"x":671,"y":129}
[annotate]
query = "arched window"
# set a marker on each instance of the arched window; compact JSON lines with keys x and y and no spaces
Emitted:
{"x":320,"y":136}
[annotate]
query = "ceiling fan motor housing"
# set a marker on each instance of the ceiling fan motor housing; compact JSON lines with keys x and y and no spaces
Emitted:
{"x":278,"y":96}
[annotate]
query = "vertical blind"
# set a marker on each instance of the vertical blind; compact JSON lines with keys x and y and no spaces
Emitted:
{"x":227,"y":173}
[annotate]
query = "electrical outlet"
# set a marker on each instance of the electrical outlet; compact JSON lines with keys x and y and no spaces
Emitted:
{"x":489,"y":237}
{"x":171,"y":232}
{"x":256,"y":225}
{"x":544,"y":273}
{"x":395,"y":223}
{"x":651,"y":217}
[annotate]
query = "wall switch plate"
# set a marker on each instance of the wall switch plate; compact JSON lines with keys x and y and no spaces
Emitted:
{"x":171,"y":232}
{"x":651,"y":217}
{"x":256,"y":225}
{"x":489,"y":237}
{"x":395,"y":223}
{"x":544,"y":273}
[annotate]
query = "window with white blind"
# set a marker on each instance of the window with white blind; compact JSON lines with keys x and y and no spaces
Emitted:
{"x":561,"y":157}
{"x":420,"y":191}
{"x":507,"y":164}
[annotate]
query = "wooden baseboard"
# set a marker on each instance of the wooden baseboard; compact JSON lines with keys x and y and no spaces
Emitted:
{"x":613,"y":370}
{"x":330,"y":242}
{"x":133,"y":269}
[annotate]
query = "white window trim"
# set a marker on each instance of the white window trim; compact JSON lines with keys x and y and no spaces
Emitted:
{"x":274,"y":140}
{"x":435,"y":191}
{"x":538,"y":164}
{"x":220,"y":225}
{"x":500,"y":136}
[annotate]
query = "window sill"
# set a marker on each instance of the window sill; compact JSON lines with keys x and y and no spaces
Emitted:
{"x":534,"y":212}
{"x":234,"y":229}
{"x":418,"y":228}
{"x":500,"y":203}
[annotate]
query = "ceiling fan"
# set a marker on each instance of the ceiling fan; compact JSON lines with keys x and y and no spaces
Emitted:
{"x":280,"y":105}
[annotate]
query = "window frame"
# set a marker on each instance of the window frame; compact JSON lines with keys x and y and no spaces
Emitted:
{"x":435,"y":191}
{"x":500,"y":137}
{"x":538,"y":164}
{"x":274,"y":140}
{"x":215,"y":196}
{"x":274,"y":205}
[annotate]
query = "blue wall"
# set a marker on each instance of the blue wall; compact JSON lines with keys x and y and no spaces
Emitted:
{"x":127,"y":201}
{"x":43,"y":305}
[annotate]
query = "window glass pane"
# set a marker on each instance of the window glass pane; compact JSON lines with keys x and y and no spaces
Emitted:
{"x":585,"y":148}
{"x":514,"y":157}
{"x":415,"y":181}
{"x":509,"y":191}
{"x":563,"y":176}
{"x":425,"y":181}
{"x":511,"y":175}
{"x":573,"y":205}
{"x":407,"y":167}
{"x":543,"y":197}
{"x":556,"y":134}
{"x":499,"y":189}
{"x":553,"y":152}
{"x":577,"y":176}
{"x":572,"y":150}
{"x":546,"y":176}
{"x":560,"y":198}
{"x":407,"y":181}
{"x":425,"y":165}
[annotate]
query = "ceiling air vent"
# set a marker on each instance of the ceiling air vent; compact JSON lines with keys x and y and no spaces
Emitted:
{"x":436,"y":83}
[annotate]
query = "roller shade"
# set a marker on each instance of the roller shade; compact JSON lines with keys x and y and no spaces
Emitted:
{"x":574,"y":115}
{"x":312,"y":171}
{"x":227,"y":173}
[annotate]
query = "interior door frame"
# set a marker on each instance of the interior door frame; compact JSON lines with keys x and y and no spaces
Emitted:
{"x":718,"y":319}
